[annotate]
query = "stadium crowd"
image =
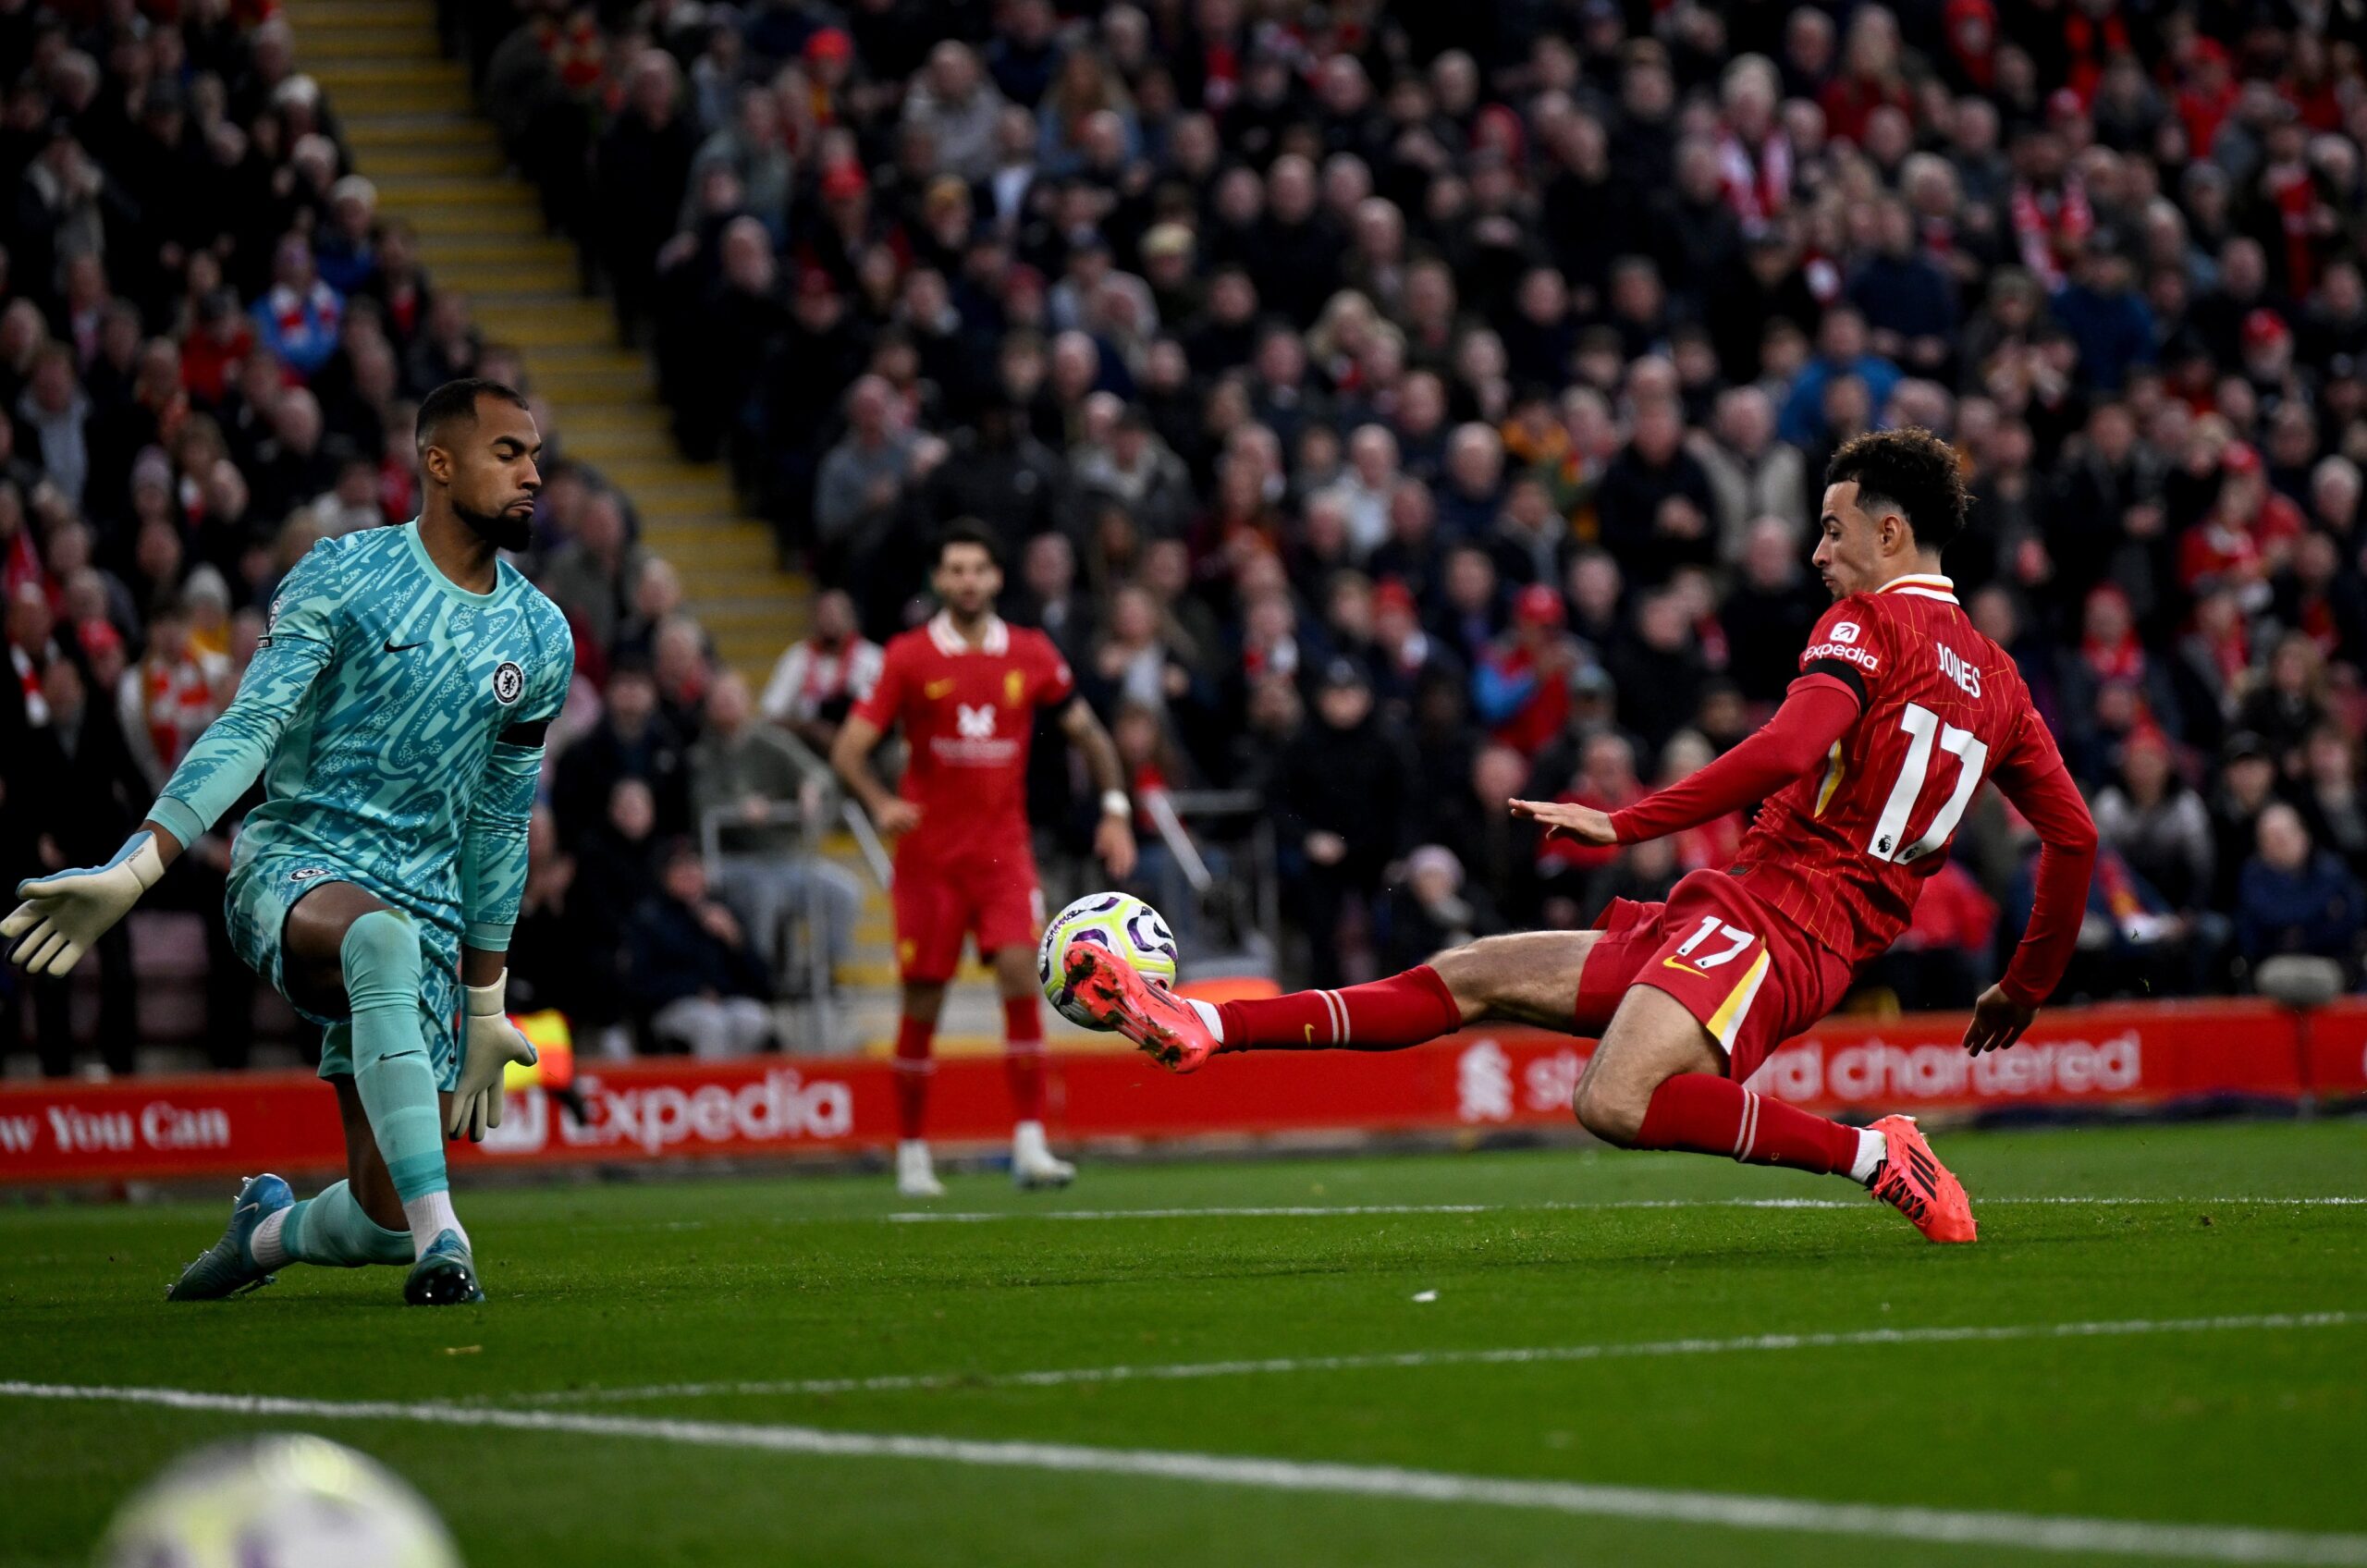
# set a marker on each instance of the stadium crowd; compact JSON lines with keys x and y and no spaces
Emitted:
{"x":1393,"y":409}
{"x":1388,"y":410}
{"x":211,"y":350}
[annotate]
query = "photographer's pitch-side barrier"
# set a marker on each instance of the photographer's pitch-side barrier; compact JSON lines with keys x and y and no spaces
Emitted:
{"x":2130,"y":1057}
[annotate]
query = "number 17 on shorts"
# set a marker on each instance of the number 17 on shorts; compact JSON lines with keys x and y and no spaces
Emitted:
{"x":1718,"y":967}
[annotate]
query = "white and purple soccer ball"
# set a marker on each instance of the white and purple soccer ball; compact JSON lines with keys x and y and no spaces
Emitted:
{"x":1122,"y":923}
{"x":279,"y":1500}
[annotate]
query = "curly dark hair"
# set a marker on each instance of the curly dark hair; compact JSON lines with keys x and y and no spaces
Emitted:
{"x":1913,"y":470}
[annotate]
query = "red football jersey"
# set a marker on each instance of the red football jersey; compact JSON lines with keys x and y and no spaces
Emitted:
{"x":968,"y":715}
{"x":1844,"y":851}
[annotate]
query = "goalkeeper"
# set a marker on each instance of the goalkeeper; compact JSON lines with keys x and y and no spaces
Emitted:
{"x":395,"y":713}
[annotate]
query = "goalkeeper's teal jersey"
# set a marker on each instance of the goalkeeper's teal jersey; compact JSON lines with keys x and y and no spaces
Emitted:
{"x":395,"y":718}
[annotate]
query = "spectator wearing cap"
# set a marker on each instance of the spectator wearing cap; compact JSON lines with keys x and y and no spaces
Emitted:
{"x":2245,"y":538}
{"x":1406,"y":659}
{"x":2247,"y":785}
{"x":2269,"y":362}
{"x":1432,"y":908}
{"x":2158,"y":823}
{"x":1520,"y":686}
{"x":2111,"y":652}
{"x":1341,"y":810}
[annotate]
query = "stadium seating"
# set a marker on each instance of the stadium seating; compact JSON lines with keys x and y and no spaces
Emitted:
{"x":1487,"y":360}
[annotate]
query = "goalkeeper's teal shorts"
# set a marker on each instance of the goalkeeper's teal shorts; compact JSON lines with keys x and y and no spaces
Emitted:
{"x":264,"y":889}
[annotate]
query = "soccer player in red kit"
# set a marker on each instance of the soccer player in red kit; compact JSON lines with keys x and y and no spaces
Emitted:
{"x":965,"y":687}
{"x":1900,"y":712}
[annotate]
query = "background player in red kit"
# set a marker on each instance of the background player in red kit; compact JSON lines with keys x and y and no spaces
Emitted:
{"x":1900,"y":712}
{"x":965,"y":687}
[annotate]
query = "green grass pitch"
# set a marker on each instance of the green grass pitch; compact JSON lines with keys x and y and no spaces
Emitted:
{"x":819,"y":1312}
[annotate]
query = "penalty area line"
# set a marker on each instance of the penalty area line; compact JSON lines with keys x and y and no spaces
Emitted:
{"x":1417,"y":1359}
{"x":2202,"y":1543}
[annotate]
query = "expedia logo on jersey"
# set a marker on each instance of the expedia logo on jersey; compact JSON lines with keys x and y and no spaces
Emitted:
{"x":508,"y":682}
{"x":975,"y":742}
{"x":1870,"y":662}
{"x":1845,"y":631}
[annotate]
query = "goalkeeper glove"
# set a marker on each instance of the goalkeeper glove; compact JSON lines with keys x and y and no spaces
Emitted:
{"x":491,"y":1043}
{"x":62,"y":916}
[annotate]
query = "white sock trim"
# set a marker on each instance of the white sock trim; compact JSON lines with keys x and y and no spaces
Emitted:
{"x":429,"y":1218}
{"x":1872,"y":1149}
{"x":1209,"y":1015}
{"x":268,"y":1245}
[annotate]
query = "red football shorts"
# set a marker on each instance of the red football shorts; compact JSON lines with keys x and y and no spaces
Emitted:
{"x":937,"y":905}
{"x":1753,"y":980}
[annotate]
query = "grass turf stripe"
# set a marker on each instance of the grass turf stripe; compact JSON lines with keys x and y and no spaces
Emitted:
{"x":1608,"y":1351}
{"x":2204,"y":1543}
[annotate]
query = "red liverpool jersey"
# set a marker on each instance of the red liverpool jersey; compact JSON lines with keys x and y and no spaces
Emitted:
{"x":1844,"y":851}
{"x":968,"y":715}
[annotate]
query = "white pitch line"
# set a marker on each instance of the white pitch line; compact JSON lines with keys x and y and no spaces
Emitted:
{"x":2206,"y":1543}
{"x":1605,"y":1351}
{"x":1298,"y":1211}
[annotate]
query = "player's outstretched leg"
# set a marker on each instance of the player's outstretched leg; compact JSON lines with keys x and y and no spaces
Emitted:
{"x":232,"y":1264}
{"x":381,"y":963}
{"x":1657,"y":1083}
{"x":1529,"y":978}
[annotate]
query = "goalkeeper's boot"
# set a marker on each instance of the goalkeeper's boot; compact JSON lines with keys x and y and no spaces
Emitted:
{"x":228,"y":1265}
{"x":1169,"y":1029}
{"x":1032,"y":1162}
{"x":445,"y":1275}
{"x":1912,"y":1180}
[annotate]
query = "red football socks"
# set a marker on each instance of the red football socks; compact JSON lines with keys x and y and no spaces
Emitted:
{"x":914,"y":1066}
{"x":1022,"y":1062}
{"x":1703,"y":1114}
{"x":1404,"y":1009}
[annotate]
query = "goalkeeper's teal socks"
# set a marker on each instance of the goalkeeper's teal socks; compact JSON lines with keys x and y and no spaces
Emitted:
{"x":390,"y":1068}
{"x":329,"y":1229}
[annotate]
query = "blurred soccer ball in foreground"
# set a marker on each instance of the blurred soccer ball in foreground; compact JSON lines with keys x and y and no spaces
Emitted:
{"x":1122,"y":923}
{"x":287,"y":1501}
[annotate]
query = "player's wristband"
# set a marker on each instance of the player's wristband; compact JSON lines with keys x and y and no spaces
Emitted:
{"x":1115,"y":803}
{"x":490,"y":1001}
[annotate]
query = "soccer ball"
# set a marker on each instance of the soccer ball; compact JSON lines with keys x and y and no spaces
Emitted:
{"x":285,"y":1500}
{"x":1122,"y":923}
